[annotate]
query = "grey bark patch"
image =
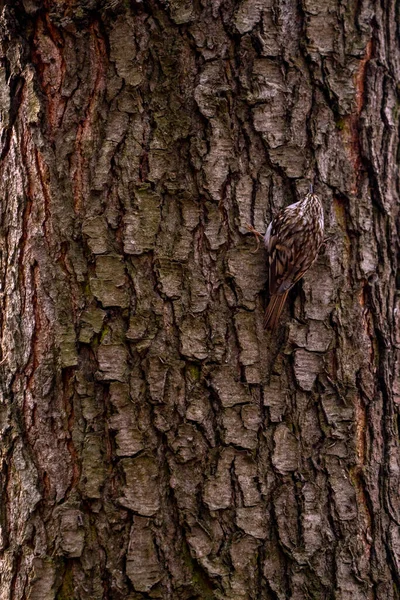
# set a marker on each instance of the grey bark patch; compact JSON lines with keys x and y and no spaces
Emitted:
{"x":97,"y":232}
{"x":269,"y":39}
{"x":92,"y":322}
{"x":218,"y":488}
{"x":321,"y":32}
{"x":157,"y":371}
{"x":229,"y":390}
{"x":344,"y":493}
{"x":4,"y":98}
{"x":318,"y":286}
{"x":268,"y":82}
{"x":286,"y":450}
{"x":138,"y":326}
{"x":394,"y":536}
{"x":243,"y":553}
{"x":253,"y":521}
{"x":215,"y":229}
{"x":307,"y":366}
{"x":188,"y":444}
{"x":170,"y":276}
{"x":190,"y":211}
{"x":72,"y":533}
{"x":182,"y":11}
{"x":212,"y":78}
{"x":68,"y":349}
{"x":248,"y":14}
{"x":200,"y":542}
{"x":286,"y":512}
{"x":33,"y":105}
{"x":217,"y":164}
{"x":142,"y":222}
{"x":249,"y":272}
{"x":93,"y":468}
{"x":247,"y":336}
{"x":142,"y":565}
{"x":109,"y":284}
{"x":199,"y":408}
{"x":112,"y":362}
{"x":117,"y":125}
{"x":319,"y":337}
{"x":316,"y":530}
{"x":243,"y":197}
{"x":269,"y":119}
{"x":42,"y":579}
{"x":290,"y":158}
{"x":199,"y":291}
{"x":128,"y":439}
{"x":111,"y":268}
{"x":140,"y":489}
{"x":185,"y":480}
{"x":275,"y":397}
{"x":274,"y":570}
{"x":27,"y":476}
{"x":315,"y":337}
{"x":123,"y":50}
{"x":194,"y":338}
{"x":235,"y":430}
{"x":335,"y":410}
{"x":246,"y":473}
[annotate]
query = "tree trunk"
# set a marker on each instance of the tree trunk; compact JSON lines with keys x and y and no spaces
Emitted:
{"x":156,"y":442}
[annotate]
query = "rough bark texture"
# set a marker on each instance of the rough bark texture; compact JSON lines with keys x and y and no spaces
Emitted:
{"x":155,"y":441}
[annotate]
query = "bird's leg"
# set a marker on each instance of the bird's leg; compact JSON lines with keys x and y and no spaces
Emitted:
{"x":327,"y":239}
{"x":257,"y":234}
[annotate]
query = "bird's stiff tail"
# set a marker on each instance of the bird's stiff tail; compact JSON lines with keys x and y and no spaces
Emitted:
{"x":273,"y":310}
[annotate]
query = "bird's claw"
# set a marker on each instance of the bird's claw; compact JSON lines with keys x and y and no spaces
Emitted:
{"x":257,"y":235}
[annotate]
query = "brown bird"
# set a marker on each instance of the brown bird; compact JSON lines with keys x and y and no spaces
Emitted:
{"x":293,"y":240}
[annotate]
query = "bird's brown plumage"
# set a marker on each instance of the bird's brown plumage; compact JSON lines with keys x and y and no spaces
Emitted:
{"x":293,"y":240}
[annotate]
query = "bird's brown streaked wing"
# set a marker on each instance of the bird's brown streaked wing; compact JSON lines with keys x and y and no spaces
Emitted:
{"x":293,"y":239}
{"x":280,"y":265}
{"x":288,"y":265}
{"x":300,"y":265}
{"x":281,"y":254}
{"x":293,"y":273}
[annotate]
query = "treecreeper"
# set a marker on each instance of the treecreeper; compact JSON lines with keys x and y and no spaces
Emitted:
{"x":293,"y":239}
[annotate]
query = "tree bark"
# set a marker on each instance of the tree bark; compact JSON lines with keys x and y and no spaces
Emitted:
{"x":156,"y":442}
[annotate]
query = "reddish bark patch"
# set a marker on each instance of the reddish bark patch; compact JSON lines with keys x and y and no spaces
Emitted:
{"x":25,"y":143}
{"x":360,"y":77}
{"x":363,"y":509}
{"x":98,"y":53}
{"x":367,"y":324}
{"x":43,"y":178}
{"x":350,"y":129}
{"x":361,"y":427}
{"x":361,"y":424}
{"x":48,"y":59}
